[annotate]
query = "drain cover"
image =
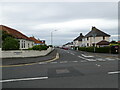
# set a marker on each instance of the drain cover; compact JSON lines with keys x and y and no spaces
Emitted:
{"x":63,"y":72}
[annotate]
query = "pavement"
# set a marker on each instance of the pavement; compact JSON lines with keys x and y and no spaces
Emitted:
{"x":72,"y":69}
{"x":28,"y":60}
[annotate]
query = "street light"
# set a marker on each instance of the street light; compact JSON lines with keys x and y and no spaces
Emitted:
{"x":94,"y":35}
{"x":52,"y":37}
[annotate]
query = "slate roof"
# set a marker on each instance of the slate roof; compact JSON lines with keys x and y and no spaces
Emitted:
{"x":97,"y":32}
{"x":103,"y":42}
{"x":79,"y":38}
{"x":13,"y":32}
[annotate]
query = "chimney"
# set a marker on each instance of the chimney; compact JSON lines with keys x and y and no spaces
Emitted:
{"x":93,"y":28}
{"x":81,"y":34}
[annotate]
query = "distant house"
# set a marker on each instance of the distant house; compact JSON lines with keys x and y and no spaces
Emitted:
{"x":24,"y":41}
{"x":78,"y":41}
{"x":37,"y":41}
{"x":69,"y":45}
{"x":95,"y":36}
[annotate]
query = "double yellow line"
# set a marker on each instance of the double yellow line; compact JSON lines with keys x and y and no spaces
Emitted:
{"x":56,"y":57}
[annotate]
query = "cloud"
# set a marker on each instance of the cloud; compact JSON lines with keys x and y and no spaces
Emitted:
{"x":69,"y":18}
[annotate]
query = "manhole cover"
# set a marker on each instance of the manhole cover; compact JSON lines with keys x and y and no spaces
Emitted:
{"x":63,"y":72}
{"x":60,"y":71}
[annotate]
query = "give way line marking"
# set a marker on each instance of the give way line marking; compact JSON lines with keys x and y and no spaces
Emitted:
{"x":23,"y":79}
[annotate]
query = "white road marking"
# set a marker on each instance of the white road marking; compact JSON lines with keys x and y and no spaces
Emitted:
{"x":43,"y":63}
{"x":74,"y":61}
{"x":83,"y":61}
{"x":117,"y":58}
{"x":98,"y":65}
{"x":63,"y":61}
{"x":82,"y":57}
{"x":54,"y":62}
{"x":100,"y":59}
{"x":23,"y":79}
{"x":110,"y":59}
{"x":68,"y":52}
{"x":86,"y":56}
{"x":72,"y":53}
{"x":90,"y":60}
{"x":115,"y":72}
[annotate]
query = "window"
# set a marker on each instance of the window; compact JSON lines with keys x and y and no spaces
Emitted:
{"x":87,"y":38}
{"x":28,"y":45}
{"x":103,"y":37}
{"x":24,"y":44}
{"x":87,"y":44}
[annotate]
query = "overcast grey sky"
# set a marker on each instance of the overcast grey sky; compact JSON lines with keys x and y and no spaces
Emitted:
{"x":68,"y":18}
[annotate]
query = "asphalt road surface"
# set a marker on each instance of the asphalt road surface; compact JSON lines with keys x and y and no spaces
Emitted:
{"x":71,"y":69}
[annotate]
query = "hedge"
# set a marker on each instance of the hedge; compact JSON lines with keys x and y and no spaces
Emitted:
{"x":39,"y":47}
{"x":97,"y":49}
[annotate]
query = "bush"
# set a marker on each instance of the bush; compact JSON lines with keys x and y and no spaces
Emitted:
{"x":10,"y":44}
{"x":39,"y":47}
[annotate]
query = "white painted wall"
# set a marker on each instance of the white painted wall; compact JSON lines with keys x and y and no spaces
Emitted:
{"x":91,"y":40}
{"x":25,"y":53}
{"x":77,"y":43}
{"x":25,"y":44}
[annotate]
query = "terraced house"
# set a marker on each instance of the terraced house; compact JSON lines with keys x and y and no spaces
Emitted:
{"x":24,"y":41}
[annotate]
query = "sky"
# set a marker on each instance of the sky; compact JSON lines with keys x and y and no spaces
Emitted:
{"x":69,"y":19}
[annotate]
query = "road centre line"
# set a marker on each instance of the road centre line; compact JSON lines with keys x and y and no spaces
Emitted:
{"x":63,"y":61}
{"x":115,"y":72}
{"x":23,"y":79}
{"x":74,"y":61}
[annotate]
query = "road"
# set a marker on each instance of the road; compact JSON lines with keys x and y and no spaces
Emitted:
{"x":71,"y":69}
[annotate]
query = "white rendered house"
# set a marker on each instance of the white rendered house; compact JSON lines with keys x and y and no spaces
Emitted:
{"x":94,"y":36}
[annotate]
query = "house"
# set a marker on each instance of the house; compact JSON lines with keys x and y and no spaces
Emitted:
{"x":94,"y":36}
{"x":37,"y":42}
{"x":78,"y":41}
{"x":24,"y":41}
{"x":68,"y":45}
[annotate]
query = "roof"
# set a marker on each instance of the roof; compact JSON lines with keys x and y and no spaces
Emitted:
{"x":13,"y":32}
{"x":69,"y":43}
{"x":79,"y":38}
{"x":118,"y":41}
{"x":103,"y":42}
{"x":35,"y":40}
{"x":96,"y":32}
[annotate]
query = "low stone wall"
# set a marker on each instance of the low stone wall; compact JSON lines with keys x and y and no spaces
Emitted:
{"x":25,"y":53}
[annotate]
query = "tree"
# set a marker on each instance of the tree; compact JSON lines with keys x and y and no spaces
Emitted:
{"x":10,"y":43}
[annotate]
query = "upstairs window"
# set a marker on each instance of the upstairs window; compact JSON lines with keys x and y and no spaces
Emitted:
{"x":103,"y":37}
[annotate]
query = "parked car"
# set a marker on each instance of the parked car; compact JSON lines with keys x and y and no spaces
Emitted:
{"x":65,"y":48}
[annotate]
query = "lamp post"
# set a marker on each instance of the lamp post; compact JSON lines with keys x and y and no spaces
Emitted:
{"x":94,"y":35}
{"x":52,"y":37}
